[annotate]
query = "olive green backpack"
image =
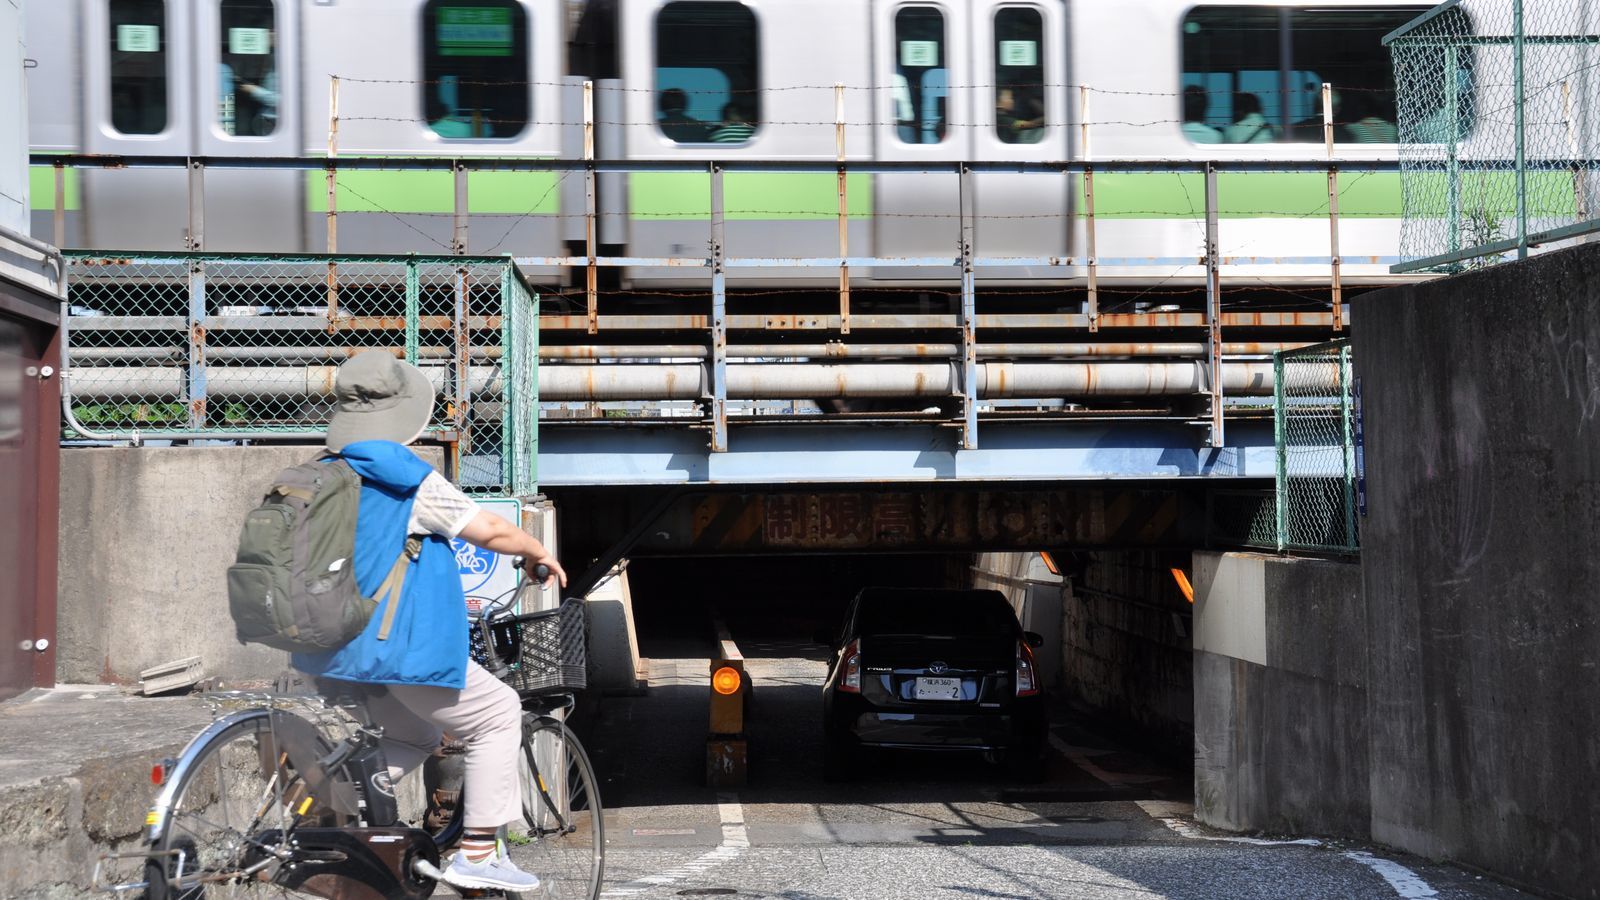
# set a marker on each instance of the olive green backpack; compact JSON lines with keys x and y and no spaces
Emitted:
{"x":293,"y":583}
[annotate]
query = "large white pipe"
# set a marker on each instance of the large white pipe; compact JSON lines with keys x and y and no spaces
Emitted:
{"x":751,"y":381}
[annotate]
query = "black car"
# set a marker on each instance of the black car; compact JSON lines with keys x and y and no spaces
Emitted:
{"x":933,"y":670}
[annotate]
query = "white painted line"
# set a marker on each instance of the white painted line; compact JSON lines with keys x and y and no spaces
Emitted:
{"x":1161,"y":812}
{"x":1406,"y":883}
{"x":735,"y":840}
{"x":1075,"y":755}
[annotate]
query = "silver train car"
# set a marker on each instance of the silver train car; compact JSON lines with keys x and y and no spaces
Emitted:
{"x":924,"y":80}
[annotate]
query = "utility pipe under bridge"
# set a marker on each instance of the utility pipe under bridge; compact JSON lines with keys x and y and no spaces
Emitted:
{"x":745,"y":381}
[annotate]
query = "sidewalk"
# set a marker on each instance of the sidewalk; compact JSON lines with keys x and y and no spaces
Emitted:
{"x":75,"y":779}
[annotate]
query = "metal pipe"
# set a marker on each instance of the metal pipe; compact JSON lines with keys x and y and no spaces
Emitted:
{"x":768,"y":381}
{"x":691,"y":351}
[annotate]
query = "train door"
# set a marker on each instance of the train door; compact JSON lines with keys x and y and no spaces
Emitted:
{"x":246,"y":78}
{"x":922,"y":76}
{"x":1020,"y":112}
{"x":137,"y":79}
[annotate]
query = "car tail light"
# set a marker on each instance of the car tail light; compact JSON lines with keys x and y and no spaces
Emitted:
{"x":1027,"y":676}
{"x":850,"y":672}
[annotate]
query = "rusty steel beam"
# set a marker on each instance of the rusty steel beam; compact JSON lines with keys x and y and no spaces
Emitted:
{"x":904,"y":520}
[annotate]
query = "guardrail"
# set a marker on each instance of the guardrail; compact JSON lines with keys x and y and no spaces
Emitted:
{"x":197,"y":346}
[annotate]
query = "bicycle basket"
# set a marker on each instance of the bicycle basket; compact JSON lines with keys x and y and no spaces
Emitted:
{"x":545,"y":651}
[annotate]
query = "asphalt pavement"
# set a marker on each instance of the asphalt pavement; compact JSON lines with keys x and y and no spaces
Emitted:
{"x":1110,"y":822}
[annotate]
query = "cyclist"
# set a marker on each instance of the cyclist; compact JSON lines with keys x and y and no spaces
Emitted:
{"x":426,"y":682}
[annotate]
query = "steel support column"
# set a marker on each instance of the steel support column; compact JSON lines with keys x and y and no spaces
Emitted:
{"x":1213,"y":312}
{"x":197,"y":345}
{"x":719,"y":319}
{"x":969,"y":315}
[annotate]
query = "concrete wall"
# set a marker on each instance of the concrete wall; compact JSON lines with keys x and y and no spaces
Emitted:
{"x":146,"y":537}
{"x":1126,"y":646}
{"x":1280,"y":702}
{"x":1482,"y":409}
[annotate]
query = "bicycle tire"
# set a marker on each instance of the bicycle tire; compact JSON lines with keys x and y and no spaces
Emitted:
{"x":222,"y":798}
{"x":564,"y":818}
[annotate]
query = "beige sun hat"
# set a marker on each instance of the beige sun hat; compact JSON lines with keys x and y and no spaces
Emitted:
{"x":379,"y":398}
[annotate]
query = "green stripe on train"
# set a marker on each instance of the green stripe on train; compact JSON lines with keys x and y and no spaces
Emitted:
{"x":42,"y":188}
{"x":748,"y":196}
{"x":1244,"y":195}
{"x":488,"y":193}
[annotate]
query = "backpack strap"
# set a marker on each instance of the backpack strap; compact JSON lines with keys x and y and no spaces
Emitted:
{"x":394,"y":583}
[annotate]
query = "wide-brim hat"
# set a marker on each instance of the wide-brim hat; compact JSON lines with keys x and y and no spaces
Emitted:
{"x":379,"y":398}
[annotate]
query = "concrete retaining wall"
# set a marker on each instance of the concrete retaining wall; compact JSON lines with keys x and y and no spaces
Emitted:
{"x":147,"y":534}
{"x":1482,"y":407}
{"x":1280,"y":716}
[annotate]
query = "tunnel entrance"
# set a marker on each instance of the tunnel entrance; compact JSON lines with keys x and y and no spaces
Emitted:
{"x":1110,"y":631}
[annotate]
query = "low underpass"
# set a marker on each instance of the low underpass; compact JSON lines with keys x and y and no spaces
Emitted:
{"x":1111,"y":819}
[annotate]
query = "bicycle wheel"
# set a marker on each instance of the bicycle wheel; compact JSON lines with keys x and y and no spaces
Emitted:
{"x":566,"y":828}
{"x":233,"y":797}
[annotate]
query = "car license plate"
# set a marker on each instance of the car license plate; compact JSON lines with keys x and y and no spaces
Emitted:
{"x":938,"y":689}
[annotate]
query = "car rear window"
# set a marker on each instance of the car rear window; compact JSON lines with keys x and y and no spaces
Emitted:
{"x":951,"y":613}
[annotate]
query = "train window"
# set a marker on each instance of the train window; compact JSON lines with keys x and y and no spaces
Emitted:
{"x":1254,"y":75}
{"x":247,"y":79}
{"x":475,"y":68}
{"x":1019,"y":116}
{"x":138,"y":66}
{"x":708,"y":86}
{"x":921,"y":80}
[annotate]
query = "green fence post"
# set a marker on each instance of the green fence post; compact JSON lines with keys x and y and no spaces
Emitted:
{"x":413,"y":306}
{"x":1346,"y":415}
{"x":1519,"y":113}
{"x":1278,"y":436}
{"x":532,"y":425}
{"x":508,"y":383}
{"x":1452,"y":116}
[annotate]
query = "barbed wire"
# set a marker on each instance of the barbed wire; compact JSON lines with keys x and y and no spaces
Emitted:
{"x":769,"y":89}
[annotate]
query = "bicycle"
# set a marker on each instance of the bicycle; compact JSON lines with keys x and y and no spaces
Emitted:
{"x":264,"y":802}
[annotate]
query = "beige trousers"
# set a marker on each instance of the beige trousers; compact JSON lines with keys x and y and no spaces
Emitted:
{"x":486,"y":714}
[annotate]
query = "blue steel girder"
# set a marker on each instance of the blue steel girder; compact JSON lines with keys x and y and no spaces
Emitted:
{"x":572,"y":455}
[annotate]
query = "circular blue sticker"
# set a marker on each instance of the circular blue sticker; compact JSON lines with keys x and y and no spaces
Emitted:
{"x":477,"y":565}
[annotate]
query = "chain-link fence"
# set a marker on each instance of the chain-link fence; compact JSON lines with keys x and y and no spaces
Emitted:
{"x":1315,"y":441}
{"x":1498,"y":105}
{"x":246,"y":346}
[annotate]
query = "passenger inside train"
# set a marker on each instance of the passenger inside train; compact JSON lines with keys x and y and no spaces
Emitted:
{"x":1195,"y":106}
{"x":1250,"y":125}
{"x":675,"y":121}
{"x":736,"y":125}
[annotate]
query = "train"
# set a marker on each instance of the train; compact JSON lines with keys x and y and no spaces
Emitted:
{"x":936,"y":81}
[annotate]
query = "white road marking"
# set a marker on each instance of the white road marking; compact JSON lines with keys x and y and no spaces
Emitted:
{"x":1076,"y":756}
{"x":1405,"y":882}
{"x":735,"y":840}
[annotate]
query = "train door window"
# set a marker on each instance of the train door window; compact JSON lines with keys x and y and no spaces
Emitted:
{"x":247,"y":77}
{"x":1254,"y":74}
{"x":921,"y":75}
{"x":138,"y":66}
{"x":475,"y":68}
{"x":1019,"y":116}
{"x":708,"y":85}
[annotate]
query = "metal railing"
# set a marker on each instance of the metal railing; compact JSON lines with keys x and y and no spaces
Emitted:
{"x":1205,"y":356}
{"x":1496,"y":116}
{"x":192,"y":345}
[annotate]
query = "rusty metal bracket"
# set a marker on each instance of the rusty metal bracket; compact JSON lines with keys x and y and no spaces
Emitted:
{"x":197,"y":345}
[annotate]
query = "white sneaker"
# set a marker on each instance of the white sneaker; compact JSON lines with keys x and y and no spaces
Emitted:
{"x":495,"y":871}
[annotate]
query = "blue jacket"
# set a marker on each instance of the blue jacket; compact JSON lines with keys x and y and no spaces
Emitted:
{"x":428,"y":640}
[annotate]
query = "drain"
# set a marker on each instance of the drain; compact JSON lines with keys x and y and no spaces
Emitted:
{"x":707,"y":892}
